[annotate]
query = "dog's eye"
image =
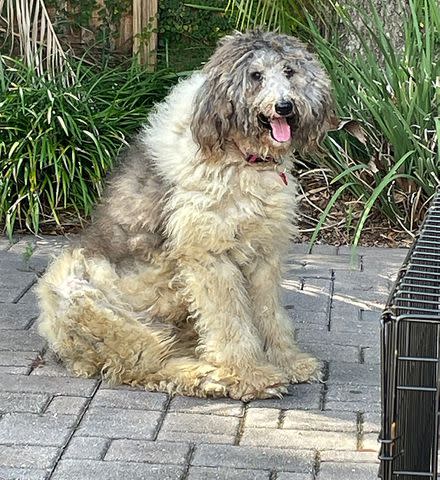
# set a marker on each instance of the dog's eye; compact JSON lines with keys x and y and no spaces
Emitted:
{"x":257,"y":76}
{"x":288,"y":71}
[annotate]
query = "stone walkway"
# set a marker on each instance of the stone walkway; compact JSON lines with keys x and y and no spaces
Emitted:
{"x":54,"y":426}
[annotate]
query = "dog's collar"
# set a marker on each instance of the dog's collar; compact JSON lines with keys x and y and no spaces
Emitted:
{"x":283,"y":177}
{"x":256,"y":159}
{"x":253,"y":158}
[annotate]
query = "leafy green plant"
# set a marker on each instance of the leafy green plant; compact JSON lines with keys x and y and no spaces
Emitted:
{"x":189,"y":31}
{"x":267,"y":14}
{"x":393,"y":94}
{"x":78,"y":14}
{"x":28,"y":251}
{"x":57,"y":143}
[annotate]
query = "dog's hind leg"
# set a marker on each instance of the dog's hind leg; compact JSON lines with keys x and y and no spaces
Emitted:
{"x":91,"y":337}
{"x":94,"y":336}
{"x":88,"y":326}
{"x":95,"y":339}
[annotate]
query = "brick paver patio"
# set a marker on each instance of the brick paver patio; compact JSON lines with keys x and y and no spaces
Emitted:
{"x":54,"y":426}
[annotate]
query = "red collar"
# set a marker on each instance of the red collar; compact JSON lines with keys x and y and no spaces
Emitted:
{"x":283,"y":177}
{"x":256,"y":159}
{"x":252,"y":158}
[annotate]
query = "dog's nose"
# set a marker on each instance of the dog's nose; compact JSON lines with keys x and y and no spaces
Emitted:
{"x":284,"y":108}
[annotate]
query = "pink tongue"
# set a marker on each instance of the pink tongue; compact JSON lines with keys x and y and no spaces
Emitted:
{"x":280,"y":129}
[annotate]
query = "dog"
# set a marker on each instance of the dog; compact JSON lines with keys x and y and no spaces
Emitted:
{"x":175,"y":285}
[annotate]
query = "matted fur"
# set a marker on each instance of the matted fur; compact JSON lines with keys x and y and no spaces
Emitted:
{"x":175,"y":285}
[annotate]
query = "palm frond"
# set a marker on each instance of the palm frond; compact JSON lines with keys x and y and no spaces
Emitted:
{"x":273,"y":15}
{"x":27,"y":27}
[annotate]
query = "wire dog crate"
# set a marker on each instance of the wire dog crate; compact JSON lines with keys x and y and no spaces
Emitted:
{"x":410,"y":356}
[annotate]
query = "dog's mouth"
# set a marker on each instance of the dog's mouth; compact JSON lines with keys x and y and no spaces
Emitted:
{"x":281,"y":128}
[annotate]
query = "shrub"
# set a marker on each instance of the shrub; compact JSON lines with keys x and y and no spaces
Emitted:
{"x":395,"y":96}
{"x":57,"y":143}
{"x":189,"y":31}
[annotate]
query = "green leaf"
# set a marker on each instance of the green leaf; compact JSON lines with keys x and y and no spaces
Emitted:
{"x":326,"y":211}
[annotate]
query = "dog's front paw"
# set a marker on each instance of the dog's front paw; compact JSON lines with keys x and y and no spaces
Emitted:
{"x":304,"y":368}
{"x":298,"y":366}
{"x":259,"y":383}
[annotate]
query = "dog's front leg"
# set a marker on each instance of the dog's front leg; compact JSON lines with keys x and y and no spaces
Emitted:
{"x":215,"y":289}
{"x":274,"y":324}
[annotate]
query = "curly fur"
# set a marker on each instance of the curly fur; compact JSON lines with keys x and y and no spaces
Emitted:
{"x":175,"y":285}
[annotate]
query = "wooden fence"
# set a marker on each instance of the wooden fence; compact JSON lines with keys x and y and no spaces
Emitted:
{"x":135,"y":34}
{"x":137,"y":31}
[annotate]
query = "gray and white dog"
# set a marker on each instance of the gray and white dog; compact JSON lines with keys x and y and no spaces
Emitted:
{"x":175,"y":285}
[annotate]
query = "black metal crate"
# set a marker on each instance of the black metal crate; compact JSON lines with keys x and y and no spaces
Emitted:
{"x":410,"y":353}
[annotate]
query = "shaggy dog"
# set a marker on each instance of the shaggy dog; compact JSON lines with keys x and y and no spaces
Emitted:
{"x":175,"y":285}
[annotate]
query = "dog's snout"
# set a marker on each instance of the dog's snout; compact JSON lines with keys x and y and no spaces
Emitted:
{"x":284,"y":108}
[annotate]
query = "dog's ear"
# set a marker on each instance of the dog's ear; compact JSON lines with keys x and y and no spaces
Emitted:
{"x":328,"y":120}
{"x":215,"y":108}
{"x":211,"y":122}
{"x":316,"y":121}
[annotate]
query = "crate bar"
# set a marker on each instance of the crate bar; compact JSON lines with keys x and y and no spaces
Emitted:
{"x":420,"y":310}
{"x":419,"y":284}
{"x":432,"y":280}
{"x":417,"y":359}
{"x":431,"y":229}
{"x":429,"y":275}
{"x":408,"y":388}
{"x":423,"y":265}
{"x":434,"y":460}
{"x":407,"y":289}
{"x":416,"y":300}
{"x":418,"y":253}
{"x":432,"y":239}
{"x":430,"y":262}
{"x":414,"y":474}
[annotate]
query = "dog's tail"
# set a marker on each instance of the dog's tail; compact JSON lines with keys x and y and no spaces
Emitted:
{"x":89,"y":327}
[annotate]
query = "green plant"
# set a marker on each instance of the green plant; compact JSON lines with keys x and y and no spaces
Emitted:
{"x":394,"y":94}
{"x":18,"y":21}
{"x":82,"y":13}
{"x":267,"y":14}
{"x":28,"y":252}
{"x":396,"y":99}
{"x":188,"y":32}
{"x":57,"y":143}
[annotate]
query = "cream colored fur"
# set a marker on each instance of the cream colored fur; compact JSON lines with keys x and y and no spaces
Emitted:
{"x":175,"y":286}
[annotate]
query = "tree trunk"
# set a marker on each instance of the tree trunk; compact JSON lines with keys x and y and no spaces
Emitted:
{"x":392,"y":13}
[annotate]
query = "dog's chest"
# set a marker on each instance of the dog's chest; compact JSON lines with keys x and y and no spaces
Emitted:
{"x":262,"y":217}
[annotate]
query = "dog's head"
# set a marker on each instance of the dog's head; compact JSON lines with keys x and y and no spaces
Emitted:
{"x":264,"y":91}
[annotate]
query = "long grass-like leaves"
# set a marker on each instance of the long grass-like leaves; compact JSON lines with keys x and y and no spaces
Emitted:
{"x":58,"y":143}
{"x":27,"y":23}
{"x":395,"y":94}
{"x":325,"y":213}
{"x":393,"y":90}
{"x":268,"y":14}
